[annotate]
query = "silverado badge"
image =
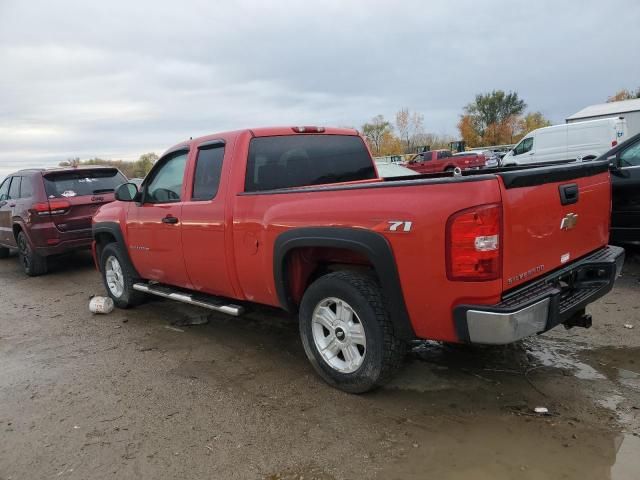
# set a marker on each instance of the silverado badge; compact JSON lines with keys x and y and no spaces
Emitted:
{"x":569,"y":221}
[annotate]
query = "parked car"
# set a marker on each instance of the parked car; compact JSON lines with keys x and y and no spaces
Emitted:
{"x":435,"y":161}
{"x":573,"y":141}
{"x":625,"y":186}
{"x":485,"y":158}
{"x":297,"y":218}
{"x":48,"y":212}
{"x":390,"y":170}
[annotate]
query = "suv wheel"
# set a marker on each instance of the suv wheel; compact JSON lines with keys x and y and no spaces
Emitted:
{"x":119,"y":277}
{"x":347,"y":333}
{"x":4,"y":252}
{"x":32,"y":263}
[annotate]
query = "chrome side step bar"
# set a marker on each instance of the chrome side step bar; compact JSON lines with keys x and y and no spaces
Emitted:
{"x":199,"y":300}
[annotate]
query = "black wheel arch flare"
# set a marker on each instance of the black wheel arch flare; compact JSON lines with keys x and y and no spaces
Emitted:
{"x":372,"y":245}
{"x":113,"y":229}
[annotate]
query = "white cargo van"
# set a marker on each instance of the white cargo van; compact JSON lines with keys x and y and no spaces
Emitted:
{"x":572,"y":141}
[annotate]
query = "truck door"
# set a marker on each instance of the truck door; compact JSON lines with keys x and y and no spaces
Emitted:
{"x":203,"y":220}
{"x":153,"y":227}
{"x":5,"y":212}
{"x":625,"y":183}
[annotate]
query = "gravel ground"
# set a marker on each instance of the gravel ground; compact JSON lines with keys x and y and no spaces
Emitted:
{"x":140,"y":394}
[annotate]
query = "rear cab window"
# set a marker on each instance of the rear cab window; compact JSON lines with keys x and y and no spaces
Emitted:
{"x":81,"y":182}
{"x":303,"y":160}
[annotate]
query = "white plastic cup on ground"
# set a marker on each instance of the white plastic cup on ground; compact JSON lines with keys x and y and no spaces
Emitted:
{"x":101,"y":305}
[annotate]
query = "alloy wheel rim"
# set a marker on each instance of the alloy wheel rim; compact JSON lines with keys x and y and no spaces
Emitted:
{"x":339,"y":335}
{"x":115,"y":278}
{"x":23,"y":248}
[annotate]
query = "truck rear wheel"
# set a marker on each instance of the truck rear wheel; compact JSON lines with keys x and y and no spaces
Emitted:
{"x":347,"y":333}
{"x":119,"y":277}
{"x":4,"y":252}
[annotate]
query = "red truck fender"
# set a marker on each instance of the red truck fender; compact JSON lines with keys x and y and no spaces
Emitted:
{"x":106,"y":232}
{"x":371,"y":245}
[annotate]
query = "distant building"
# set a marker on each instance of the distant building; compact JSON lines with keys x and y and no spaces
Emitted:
{"x":629,"y":109}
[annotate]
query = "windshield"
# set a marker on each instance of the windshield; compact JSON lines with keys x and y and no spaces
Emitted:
{"x":82,"y":182}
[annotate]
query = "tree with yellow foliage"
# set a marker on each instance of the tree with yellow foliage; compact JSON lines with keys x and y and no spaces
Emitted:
{"x":496,"y":119}
{"x":624,"y":94}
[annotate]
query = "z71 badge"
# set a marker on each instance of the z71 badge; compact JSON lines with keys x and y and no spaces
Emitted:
{"x":399,"y":225}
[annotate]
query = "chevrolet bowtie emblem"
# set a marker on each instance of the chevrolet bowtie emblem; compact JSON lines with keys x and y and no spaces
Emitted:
{"x":569,"y":221}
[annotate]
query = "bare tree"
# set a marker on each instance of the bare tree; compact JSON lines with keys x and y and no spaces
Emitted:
{"x":417,"y":128}
{"x":403,"y":125}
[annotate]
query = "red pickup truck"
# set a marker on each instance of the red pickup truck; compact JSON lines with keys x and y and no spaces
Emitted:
{"x":298,"y":218}
{"x":435,"y":161}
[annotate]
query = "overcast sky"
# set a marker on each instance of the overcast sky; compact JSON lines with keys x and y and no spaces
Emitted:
{"x":115,"y":79}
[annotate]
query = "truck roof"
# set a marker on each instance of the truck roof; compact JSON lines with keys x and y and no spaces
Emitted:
{"x":267,"y":132}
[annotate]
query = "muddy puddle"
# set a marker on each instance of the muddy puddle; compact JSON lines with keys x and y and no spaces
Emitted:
{"x":507,"y":449}
{"x":494,"y":432}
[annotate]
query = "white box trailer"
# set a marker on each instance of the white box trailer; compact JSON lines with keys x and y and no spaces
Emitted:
{"x":629,"y":109}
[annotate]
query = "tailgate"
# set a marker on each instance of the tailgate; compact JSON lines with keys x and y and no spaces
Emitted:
{"x":80,"y":212}
{"x":552,"y":216}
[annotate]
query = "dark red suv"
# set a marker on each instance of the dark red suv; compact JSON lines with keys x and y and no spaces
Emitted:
{"x":48,"y":212}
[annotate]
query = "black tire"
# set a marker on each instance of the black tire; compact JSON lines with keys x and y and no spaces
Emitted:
{"x":384,"y":352}
{"x":4,"y":252}
{"x":449,"y":169}
{"x":32,"y":263}
{"x":129,"y":297}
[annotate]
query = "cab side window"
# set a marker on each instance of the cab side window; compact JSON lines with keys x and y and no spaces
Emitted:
{"x":4,"y":190}
{"x":14,"y":190}
{"x":207,"y":174}
{"x":523,"y":147}
{"x":166,"y":184}
{"x":631,"y":156}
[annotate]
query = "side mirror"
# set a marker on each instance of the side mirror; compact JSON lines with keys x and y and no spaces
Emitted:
{"x":613,"y":162}
{"x":126,"y":192}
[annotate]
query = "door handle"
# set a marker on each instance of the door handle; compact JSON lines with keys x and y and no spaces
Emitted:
{"x":569,"y":194}
{"x":170,"y":219}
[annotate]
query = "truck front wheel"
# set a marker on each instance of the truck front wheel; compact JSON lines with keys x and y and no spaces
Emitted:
{"x":118,"y":277}
{"x":347,"y":333}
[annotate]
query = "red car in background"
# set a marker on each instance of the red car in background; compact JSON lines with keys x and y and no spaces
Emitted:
{"x":48,"y":212}
{"x":435,"y":161}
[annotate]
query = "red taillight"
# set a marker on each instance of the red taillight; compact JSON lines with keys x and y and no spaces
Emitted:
{"x":308,"y":129}
{"x":52,"y":207}
{"x":614,"y":143}
{"x":58,"y":207}
{"x":474,"y":250}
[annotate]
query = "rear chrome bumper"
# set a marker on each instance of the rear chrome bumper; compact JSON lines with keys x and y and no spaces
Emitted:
{"x":542,"y":304}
